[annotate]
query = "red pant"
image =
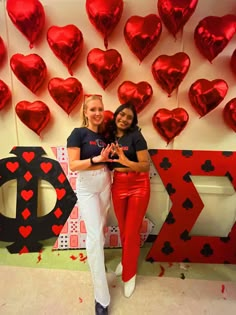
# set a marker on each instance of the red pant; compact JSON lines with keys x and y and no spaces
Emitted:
{"x":130,"y":195}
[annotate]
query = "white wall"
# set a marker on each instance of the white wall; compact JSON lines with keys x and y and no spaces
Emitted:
{"x":207,"y":133}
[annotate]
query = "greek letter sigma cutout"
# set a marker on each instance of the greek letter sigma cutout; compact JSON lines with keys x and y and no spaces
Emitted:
{"x":173,"y":243}
{"x":28,"y":167}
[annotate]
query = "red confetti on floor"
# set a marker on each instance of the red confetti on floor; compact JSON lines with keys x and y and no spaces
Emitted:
{"x":162,"y":271}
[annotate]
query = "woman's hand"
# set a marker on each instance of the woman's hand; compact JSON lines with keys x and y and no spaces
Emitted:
{"x":104,"y":155}
{"x":118,"y":151}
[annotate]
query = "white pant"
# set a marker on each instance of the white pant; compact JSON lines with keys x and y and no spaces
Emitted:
{"x":94,"y":197}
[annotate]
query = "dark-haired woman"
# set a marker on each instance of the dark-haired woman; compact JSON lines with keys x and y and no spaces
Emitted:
{"x":130,"y":188}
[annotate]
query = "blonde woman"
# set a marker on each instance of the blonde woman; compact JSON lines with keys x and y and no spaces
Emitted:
{"x":88,"y":154}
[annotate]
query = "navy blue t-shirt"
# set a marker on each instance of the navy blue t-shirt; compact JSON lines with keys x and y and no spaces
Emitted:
{"x":131,"y":143}
{"x":89,"y":142}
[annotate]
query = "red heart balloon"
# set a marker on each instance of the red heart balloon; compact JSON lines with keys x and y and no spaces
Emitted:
{"x":2,"y":50}
{"x":138,"y":94}
{"x":66,"y":93}
{"x":169,"y":71}
{"x":66,"y":42}
{"x":213,"y":33}
{"x":233,"y":62}
{"x":31,"y":70}
{"x":5,"y":94}
{"x":229,"y":114}
{"x":28,"y":16}
{"x":142,"y":34}
{"x":107,"y":118}
{"x":176,"y":13}
{"x":104,"y":15}
{"x":170,"y":123}
{"x":104,"y":65}
{"x":206,"y":95}
{"x":34,"y":115}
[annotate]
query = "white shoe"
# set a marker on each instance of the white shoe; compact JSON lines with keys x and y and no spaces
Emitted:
{"x":119,"y":269}
{"x":129,"y":287}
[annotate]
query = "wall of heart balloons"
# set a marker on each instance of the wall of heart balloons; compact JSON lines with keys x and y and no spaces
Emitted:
{"x":176,"y":65}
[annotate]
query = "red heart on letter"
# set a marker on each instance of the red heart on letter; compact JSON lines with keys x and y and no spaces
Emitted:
{"x":104,"y":65}
{"x":213,"y":33}
{"x":27,"y":194}
{"x":229,"y":114}
{"x":5,"y":94}
{"x":25,"y":231}
{"x":28,"y":156}
{"x":175,"y":13}
{"x":31,"y":70}
{"x":57,"y":229}
{"x":206,"y":95}
{"x":66,"y":43}
{"x":66,"y":93}
{"x":169,"y":71}
{"x":170,"y":123}
{"x":34,"y":115}
{"x":46,"y":167}
{"x":138,"y":94}
{"x":12,"y":166}
{"x":142,"y":34}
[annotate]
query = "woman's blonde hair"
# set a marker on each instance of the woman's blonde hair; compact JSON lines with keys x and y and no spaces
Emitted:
{"x":88,"y":98}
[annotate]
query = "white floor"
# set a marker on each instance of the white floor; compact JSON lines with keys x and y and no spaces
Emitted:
{"x":31,"y":291}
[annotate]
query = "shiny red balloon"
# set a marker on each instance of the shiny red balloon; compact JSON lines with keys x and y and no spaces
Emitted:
{"x":5,"y":94}
{"x":229,"y":114}
{"x":66,"y":42}
{"x":142,"y":34}
{"x":104,"y":15}
{"x":139,"y":94}
{"x":34,"y":115}
{"x":2,"y":50}
{"x":206,"y":95}
{"x":31,"y":70}
{"x":213,"y":33}
{"x":170,"y":123}
{"x":175,"y":13}
{"x":104,"y":65}
{"x":66,"y":93}
{"x":28,"y":16}
{"x":108,"y":116}
{"x":169,"y":71}
{"x":233,"y":62}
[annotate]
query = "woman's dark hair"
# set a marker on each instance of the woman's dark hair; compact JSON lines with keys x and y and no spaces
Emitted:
{"x":111,"y":128}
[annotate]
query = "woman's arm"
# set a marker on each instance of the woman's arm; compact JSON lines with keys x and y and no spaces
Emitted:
{"x":76,"y":164}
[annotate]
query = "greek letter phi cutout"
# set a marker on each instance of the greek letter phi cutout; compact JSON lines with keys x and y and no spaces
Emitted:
{"x":26,"y":229}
